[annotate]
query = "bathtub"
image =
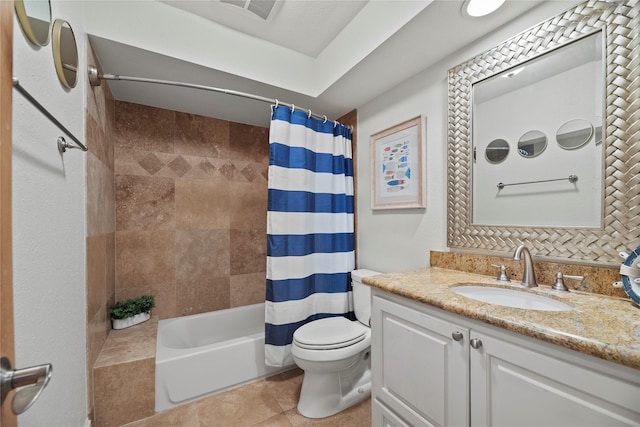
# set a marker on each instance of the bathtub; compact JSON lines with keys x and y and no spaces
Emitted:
{"x":210,"y":352}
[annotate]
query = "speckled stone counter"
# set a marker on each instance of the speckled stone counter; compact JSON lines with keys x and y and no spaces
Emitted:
{"x":601,"y":326}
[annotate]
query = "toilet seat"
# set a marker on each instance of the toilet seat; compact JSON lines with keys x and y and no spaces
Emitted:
{"x":329,"y":334}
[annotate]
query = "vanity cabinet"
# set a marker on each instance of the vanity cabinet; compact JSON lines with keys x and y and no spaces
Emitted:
{"x":420,"y":366}
{"x":434,"y":368}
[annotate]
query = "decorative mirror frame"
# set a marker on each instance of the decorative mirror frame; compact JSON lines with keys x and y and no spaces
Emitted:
{"x":619,"y":22}
{"x":25,"y":24}
{"x":58,"y":47}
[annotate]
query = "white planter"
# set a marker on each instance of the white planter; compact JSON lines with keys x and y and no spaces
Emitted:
{"x":130,"y":321}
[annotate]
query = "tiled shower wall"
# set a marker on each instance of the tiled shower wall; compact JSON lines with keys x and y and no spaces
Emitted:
{"x":191,"y":201}
{"x":176,"y":207}
{"x":100,"y":242}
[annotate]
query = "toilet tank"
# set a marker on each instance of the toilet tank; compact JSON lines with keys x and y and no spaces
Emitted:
{"x":362,"y":295}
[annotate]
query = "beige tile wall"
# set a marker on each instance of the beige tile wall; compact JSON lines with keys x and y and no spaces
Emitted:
{"x":100,"y":241}
{"x":176,"y":207}
{"x":191,"y":201}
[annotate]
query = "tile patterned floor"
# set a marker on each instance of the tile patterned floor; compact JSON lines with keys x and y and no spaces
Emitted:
{"x":270,"y":402}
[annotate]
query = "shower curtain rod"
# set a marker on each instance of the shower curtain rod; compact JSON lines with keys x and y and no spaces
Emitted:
{"x":95,"y":77}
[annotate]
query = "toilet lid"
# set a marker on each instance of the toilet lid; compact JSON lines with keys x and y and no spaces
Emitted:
{"x":329,"y":333}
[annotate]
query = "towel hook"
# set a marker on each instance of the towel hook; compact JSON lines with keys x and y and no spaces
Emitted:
{"x":63,"y":145}
{"x":276,"y":102}
{"x":293,"y":108}
{"x":325,"y":119}
{"x":309,"y":115}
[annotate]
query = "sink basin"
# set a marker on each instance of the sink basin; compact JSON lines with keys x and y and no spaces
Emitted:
{"x":510,"y":298}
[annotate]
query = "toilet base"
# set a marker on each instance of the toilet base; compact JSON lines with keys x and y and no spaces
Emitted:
{"x":326,"y":394}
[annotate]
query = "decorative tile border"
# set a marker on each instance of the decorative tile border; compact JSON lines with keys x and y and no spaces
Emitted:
{"x":166,"y":165}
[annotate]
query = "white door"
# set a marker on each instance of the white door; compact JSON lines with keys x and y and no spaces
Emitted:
{"x":7,"y":418}
{"x":20,"y":387}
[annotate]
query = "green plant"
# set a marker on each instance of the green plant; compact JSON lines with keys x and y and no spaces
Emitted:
{"x":131,"y":307}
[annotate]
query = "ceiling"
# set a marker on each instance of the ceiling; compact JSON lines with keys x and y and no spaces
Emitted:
{"x":303,"y":26}
{"x":327,"y":56}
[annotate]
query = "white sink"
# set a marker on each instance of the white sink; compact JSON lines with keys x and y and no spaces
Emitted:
{"x":510,"y":298}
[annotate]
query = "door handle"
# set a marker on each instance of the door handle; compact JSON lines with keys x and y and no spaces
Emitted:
{"x":28,"y":382}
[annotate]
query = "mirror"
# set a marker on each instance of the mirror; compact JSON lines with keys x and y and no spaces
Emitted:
{"x":34,"y":17}
{"x":528,"y":102}
{"x":532,"y":143}
{"x":65,"y":53}
{"x":574,"y":134}
{"x":597,"y":216}
{"x":497,"y":151}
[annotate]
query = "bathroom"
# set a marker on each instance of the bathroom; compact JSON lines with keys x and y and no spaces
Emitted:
{"x":58,"y":222}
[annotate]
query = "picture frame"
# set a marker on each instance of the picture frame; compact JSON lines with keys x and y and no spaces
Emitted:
{"x":398,"y":178}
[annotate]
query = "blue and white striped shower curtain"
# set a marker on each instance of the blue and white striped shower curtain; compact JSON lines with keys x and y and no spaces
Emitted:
{"x":310,"y":251}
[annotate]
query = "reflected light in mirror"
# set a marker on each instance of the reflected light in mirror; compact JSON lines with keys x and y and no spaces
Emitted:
{"x":497,"y":151}
{"x":574,"y":134}
{"x":477,"y":8}
{"x":65,"y":53}
{"x":513,"y":73}
{"x":532,"y":143}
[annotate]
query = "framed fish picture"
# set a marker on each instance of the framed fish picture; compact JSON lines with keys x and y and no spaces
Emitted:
{"x":397,"y":166}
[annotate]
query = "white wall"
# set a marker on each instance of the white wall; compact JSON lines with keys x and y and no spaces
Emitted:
{"x":401,"y":239}
{"x":49,"y":230}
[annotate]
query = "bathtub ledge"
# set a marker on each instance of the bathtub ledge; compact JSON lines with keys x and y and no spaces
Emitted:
{"x":124,"y":375}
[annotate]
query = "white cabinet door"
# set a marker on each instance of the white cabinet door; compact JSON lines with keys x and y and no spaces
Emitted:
{"x":419,"y":369}
{"x":512,"y":385}
{"x":381,"y":416}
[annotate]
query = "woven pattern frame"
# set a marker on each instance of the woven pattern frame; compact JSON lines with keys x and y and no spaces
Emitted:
{"x":619,"y":22}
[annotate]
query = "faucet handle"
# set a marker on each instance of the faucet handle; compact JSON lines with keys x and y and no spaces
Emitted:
{"x":559,"y":285}
{"x":583,"y":283}
{"x":502,"y":276}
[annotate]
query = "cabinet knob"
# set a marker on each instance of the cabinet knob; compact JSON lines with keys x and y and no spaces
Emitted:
{"x":457,"y":336}
{"x":475,"y":343}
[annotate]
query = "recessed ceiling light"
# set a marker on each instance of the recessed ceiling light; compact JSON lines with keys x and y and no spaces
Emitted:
{"x":477,"y":8}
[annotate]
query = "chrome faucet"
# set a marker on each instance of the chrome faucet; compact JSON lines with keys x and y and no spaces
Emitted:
{"x":529,"y":274}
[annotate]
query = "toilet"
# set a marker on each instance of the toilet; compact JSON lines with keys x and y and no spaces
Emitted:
{"x":334,"y":353}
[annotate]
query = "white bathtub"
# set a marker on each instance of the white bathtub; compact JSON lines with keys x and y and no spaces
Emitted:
{"x":210,"y":352}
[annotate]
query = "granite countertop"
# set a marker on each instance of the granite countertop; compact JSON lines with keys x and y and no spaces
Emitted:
{"x":601,"y":326}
